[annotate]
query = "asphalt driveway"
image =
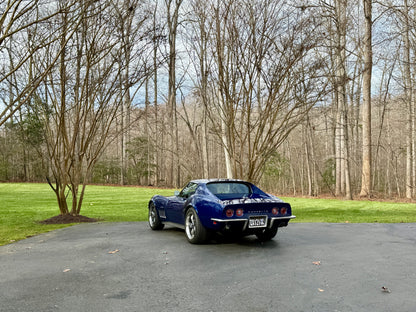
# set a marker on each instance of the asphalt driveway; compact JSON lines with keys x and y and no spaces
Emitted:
{"x":128,"y":267}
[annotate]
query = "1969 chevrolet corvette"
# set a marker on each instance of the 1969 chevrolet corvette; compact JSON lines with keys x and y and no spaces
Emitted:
{"x":220,"y":205}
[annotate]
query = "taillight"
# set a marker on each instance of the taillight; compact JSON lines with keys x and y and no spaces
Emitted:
{"x":239,"y":212}
{"x":229,"y":213}
{"x":283,"y":211}
{"x":275,"y":211}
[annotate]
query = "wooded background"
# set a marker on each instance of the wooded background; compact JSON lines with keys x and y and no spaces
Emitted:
{"x":313,"y":97}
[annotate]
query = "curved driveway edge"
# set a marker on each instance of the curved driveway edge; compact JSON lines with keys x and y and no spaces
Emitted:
{"x":128,"y":267}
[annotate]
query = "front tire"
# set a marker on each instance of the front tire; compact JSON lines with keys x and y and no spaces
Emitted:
{"x":154,"y":220}
{"x":196,"y":233}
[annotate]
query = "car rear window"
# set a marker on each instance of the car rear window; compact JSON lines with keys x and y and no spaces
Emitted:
{"x":229,"y":190}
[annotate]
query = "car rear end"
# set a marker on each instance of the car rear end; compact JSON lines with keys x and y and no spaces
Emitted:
{"x":250,"y":216}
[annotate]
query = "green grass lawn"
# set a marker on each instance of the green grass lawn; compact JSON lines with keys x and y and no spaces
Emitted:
{"x":23,"y":205}
{"x":355,"y":211}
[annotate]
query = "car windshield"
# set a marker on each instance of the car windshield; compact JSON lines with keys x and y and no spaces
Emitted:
{"x":229,"y":190}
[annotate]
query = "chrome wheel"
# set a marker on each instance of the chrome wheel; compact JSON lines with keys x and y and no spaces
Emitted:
{"x":190,"y":226}
{"x":152,"y":216}
{"x":195,"y":231}
{"x":154,"y":220}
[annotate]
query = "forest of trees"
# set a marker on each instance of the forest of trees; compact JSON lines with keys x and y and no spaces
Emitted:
{"x":302,"y":97}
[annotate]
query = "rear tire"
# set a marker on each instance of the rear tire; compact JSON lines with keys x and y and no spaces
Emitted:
{"x":195,"y":232}
{"x":154,"y":220}
{"x":267,"y":234}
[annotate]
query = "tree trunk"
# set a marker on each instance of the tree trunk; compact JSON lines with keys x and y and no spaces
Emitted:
{"x":156,"y":140}
{"x":341,"y":133}
{"x":147,"y":133}
{"x":409,"y":101}
{"x":225,"y":141}
{"x":173,"y":20}
{"x":366,"y":110}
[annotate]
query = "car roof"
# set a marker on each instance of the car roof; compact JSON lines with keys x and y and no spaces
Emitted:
{"x":205,"y":181}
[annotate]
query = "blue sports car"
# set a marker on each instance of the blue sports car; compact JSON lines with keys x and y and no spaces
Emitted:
{"x":221,"y":205}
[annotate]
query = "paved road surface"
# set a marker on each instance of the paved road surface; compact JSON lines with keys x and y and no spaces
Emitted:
{"x":128,"y":267}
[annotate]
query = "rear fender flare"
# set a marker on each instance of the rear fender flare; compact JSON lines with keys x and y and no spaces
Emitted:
{"x":189,"y":206}
{"x":203,"y":219}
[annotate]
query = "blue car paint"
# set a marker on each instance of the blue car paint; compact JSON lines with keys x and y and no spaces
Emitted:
{"x":208,"y":206}
{"x":175,"y":211}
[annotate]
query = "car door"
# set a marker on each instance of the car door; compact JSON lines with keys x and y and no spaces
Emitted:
{"x":176,"y":204}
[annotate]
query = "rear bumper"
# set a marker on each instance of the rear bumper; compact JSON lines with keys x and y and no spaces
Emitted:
{"x":280,"y":221}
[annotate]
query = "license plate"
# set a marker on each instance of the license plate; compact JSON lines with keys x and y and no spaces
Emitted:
{"x":257,"y":222}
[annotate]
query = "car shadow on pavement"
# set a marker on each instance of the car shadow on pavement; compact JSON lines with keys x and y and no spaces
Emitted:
{"x":220,"y":239}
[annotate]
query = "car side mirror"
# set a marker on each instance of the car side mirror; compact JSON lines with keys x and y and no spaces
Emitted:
{"x":176,"y":193}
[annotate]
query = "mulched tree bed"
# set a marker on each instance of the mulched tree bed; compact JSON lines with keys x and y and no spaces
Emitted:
{"x":65,"y":219}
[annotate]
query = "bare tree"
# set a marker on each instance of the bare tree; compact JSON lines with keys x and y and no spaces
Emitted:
{"x":198,"y":40}
{"x":336,"y":14}
{"x":82,"y":101}
{"x":173,"y":9}
{"x":408,"y":89}
{"x":20,"y":22}
{"x":133,"y":31}
{"x":366,"y":111}
{"x":267,"y":76}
